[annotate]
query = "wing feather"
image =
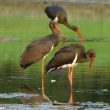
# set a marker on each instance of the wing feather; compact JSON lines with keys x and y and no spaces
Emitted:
{"x":34,"y":52}
{"x":61,"y":59}
{"x":65,"y":55}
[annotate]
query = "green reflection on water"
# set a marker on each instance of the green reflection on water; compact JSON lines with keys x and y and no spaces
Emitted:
{"x":87,"y":86}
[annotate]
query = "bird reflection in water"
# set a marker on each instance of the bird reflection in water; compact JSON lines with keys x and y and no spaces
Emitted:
{"x":32,"y":98}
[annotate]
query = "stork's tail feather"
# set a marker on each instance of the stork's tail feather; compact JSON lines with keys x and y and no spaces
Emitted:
{"x":24,"y":66}
{"x":49,"y":67}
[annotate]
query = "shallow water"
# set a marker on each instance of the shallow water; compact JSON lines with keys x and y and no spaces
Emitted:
{"x":91,"y":89}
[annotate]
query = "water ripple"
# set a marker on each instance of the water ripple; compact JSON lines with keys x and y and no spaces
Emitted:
{"x":47,"y":106}
{"x":103,"y":91}
{"x":16,"y":95}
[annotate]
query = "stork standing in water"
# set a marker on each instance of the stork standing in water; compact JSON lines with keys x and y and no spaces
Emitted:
{"x":68,"y":57}
{"x":39,"y":49}
{"x":59,"y":15}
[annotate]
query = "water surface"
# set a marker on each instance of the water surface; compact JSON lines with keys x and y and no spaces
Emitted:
{"x":91,"y":89}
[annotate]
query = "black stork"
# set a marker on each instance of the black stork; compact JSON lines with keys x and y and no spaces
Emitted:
{"x":39,"y":49}
{"x":59,"y":15}
{"x":68,"y":57}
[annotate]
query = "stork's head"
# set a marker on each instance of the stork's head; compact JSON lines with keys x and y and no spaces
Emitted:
{"x":91,"y":56}
{"x":52,"y":26}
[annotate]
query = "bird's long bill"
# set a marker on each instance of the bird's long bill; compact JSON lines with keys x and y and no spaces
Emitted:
{"x":79,"y":34}
{"x":91,"y":61}
{"x":61,"y":33}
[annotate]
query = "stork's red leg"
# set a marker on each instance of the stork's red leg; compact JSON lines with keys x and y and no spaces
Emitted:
{"x":70,"y":79}
{"x":69,"y":75}
{"x":43,"y":77}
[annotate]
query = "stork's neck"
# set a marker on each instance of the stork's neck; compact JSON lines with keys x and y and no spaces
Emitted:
{"x":84,"y":58}
{"x":55,"y":33}
{"x":53,"y":27}
{"x":56,"y":38}
{"x":72,"y":27}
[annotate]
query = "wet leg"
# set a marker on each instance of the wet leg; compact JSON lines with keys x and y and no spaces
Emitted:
{"x":43,"y":77}
{"x":70,"y":80}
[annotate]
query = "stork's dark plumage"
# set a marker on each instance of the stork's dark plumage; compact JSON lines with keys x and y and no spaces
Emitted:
{"x":68,"y":57}
{"x":38,"y":49}
{"x":58,"y":14}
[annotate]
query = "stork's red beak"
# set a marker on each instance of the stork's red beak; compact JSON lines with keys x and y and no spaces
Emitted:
{"x":91,"y":61}
{"x":80,"y":36}
{"x":58,"y":30}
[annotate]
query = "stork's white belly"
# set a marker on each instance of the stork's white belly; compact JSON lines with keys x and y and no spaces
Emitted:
{"x":49,"y":52}
{"x":73,"y":64}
